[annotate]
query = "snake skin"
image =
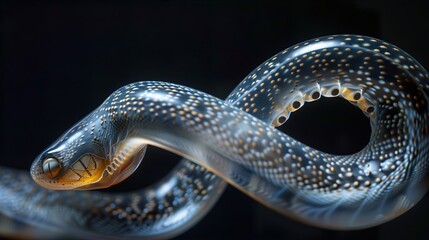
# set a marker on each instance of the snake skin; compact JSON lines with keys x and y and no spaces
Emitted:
{"x":235,"y":141}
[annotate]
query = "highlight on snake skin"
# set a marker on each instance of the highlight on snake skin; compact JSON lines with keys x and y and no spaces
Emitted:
{"x":236,"y":142}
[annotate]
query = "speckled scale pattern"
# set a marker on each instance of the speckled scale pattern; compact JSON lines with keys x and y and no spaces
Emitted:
{"x":236,"y":141}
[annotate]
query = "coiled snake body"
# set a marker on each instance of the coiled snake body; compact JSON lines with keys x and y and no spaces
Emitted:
{"x":235,"y":141}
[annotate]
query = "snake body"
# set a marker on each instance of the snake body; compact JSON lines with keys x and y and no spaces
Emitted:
{"x":236,"y":141}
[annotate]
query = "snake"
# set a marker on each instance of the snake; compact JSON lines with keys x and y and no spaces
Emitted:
{"x":237,"y":142}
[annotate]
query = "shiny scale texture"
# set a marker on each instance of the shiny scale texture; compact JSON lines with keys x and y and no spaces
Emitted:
{"x":235,"y":141}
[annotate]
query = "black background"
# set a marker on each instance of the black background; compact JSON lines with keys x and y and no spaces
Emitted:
{"x":61,"y":60}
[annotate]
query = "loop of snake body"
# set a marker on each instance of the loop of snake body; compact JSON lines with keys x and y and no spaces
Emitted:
{"x":235,"y":141}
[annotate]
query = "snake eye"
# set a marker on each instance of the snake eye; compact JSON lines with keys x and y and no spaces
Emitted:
{"x":51,"y":167}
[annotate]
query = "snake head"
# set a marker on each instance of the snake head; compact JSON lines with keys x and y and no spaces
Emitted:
{"x":53,"y":173}
{"x":74,"y":161}
{"x":59,"y":169}
{"x":79,"y":160}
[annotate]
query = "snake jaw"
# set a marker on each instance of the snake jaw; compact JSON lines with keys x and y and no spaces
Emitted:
{"x":126,"y":157}
{"x":129,"y":164}
{"x":93,"y":172}
{"x":86,"y":170}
